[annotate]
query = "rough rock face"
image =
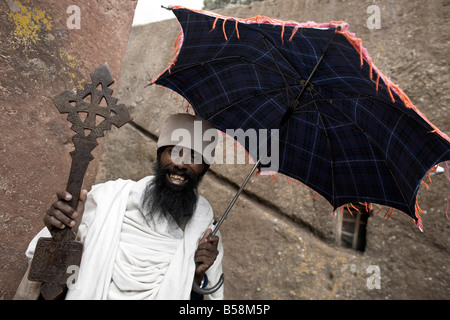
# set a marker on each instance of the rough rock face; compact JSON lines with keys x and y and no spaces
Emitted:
{"x":45,"y":47}
{"x":280,"y":240}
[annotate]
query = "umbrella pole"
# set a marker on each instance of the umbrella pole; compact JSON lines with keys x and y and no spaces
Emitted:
{"x":236,"y":196}
{"x":195,"y":286}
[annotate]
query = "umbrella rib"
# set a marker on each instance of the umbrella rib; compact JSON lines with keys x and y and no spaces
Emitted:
{"x":292,"y":108}
{"x":218,"y":60}
{"x":368,"y":96}
{"x":331,"y":155}
{"x":325,"y":99}
{"x":375,"y":144}
{"x":262,"y":93}
{"x":273,"y":46}
{"x":330,"y":117}
{"x":278,"y":67}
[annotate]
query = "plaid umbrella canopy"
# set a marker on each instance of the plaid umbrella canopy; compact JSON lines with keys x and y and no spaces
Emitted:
{"x":345,"y":130}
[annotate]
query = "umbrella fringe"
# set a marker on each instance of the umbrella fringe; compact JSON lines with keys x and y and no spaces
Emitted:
{"x":388,"y":213}
{"x":371,"y":68}
{"x":349,"y":210}
{"x":351,"y":37}
{"x":390,"y":93}
{"x":427,"y":180}
{"x":364,"y":55}
{"x":293,"y":33}
{"x":380,"y":210}
{"x":357,"y":210}
{"x":214,"y":24}
{"x":419,"y":219}
{"x":367,"y":205}
{"x":262,"y":19}
{"x":184,"y":103}
{"x":378,"y":81}
{"x":448,"y":178}
{"x":223,"y":29}
{"x":177,"y":46}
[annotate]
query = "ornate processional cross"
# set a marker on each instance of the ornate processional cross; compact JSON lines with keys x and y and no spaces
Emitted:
{"x":53,"y":256}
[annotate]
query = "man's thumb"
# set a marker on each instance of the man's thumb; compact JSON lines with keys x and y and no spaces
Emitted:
{"x":205,"y":236}
{"x":82,"y":201}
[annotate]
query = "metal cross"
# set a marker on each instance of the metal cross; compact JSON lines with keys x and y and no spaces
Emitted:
{"x":92,"y":110}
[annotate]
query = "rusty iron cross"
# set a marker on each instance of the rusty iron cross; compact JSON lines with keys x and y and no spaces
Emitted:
{"x":92,"y":111}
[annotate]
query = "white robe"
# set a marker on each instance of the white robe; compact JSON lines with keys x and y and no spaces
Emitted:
{"x":126,"y":257}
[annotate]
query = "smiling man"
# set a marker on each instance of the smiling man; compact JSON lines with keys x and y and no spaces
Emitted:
{"x":146,"y":239}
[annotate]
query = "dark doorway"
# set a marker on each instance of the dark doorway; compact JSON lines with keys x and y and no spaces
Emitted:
{"x":351,"y":227}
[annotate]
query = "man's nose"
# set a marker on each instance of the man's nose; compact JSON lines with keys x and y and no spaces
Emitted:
{"x":180,"y":158}
{"x":180,"y":166}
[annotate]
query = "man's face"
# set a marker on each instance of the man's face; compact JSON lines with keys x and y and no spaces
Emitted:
{"x":180,"y":166}
{"x":173,"y":191}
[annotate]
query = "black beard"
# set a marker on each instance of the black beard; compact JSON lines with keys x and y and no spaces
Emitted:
{"x":164,"y":200}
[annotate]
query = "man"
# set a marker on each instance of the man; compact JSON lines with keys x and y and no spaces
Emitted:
{"x":142,"y":239}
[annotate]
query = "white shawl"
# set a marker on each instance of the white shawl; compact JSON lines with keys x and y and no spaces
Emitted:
{"x":105,"y":255}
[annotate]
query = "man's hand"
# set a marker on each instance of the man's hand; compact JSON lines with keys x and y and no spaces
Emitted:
{"x":205,"y":255}
{"x":60,"y":214}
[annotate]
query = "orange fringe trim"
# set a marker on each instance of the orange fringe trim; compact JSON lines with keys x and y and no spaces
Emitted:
{"x":356,"y":42}
{"x":223,"y":29}
{"x":367,"y":205}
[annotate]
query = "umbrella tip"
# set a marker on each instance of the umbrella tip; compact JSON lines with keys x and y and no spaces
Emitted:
{"x":167,"y":8}
{"x":419,"y":225}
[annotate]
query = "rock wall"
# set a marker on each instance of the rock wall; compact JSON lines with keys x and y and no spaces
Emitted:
{"x":45,"y":47}
{"x":280,"y":238}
